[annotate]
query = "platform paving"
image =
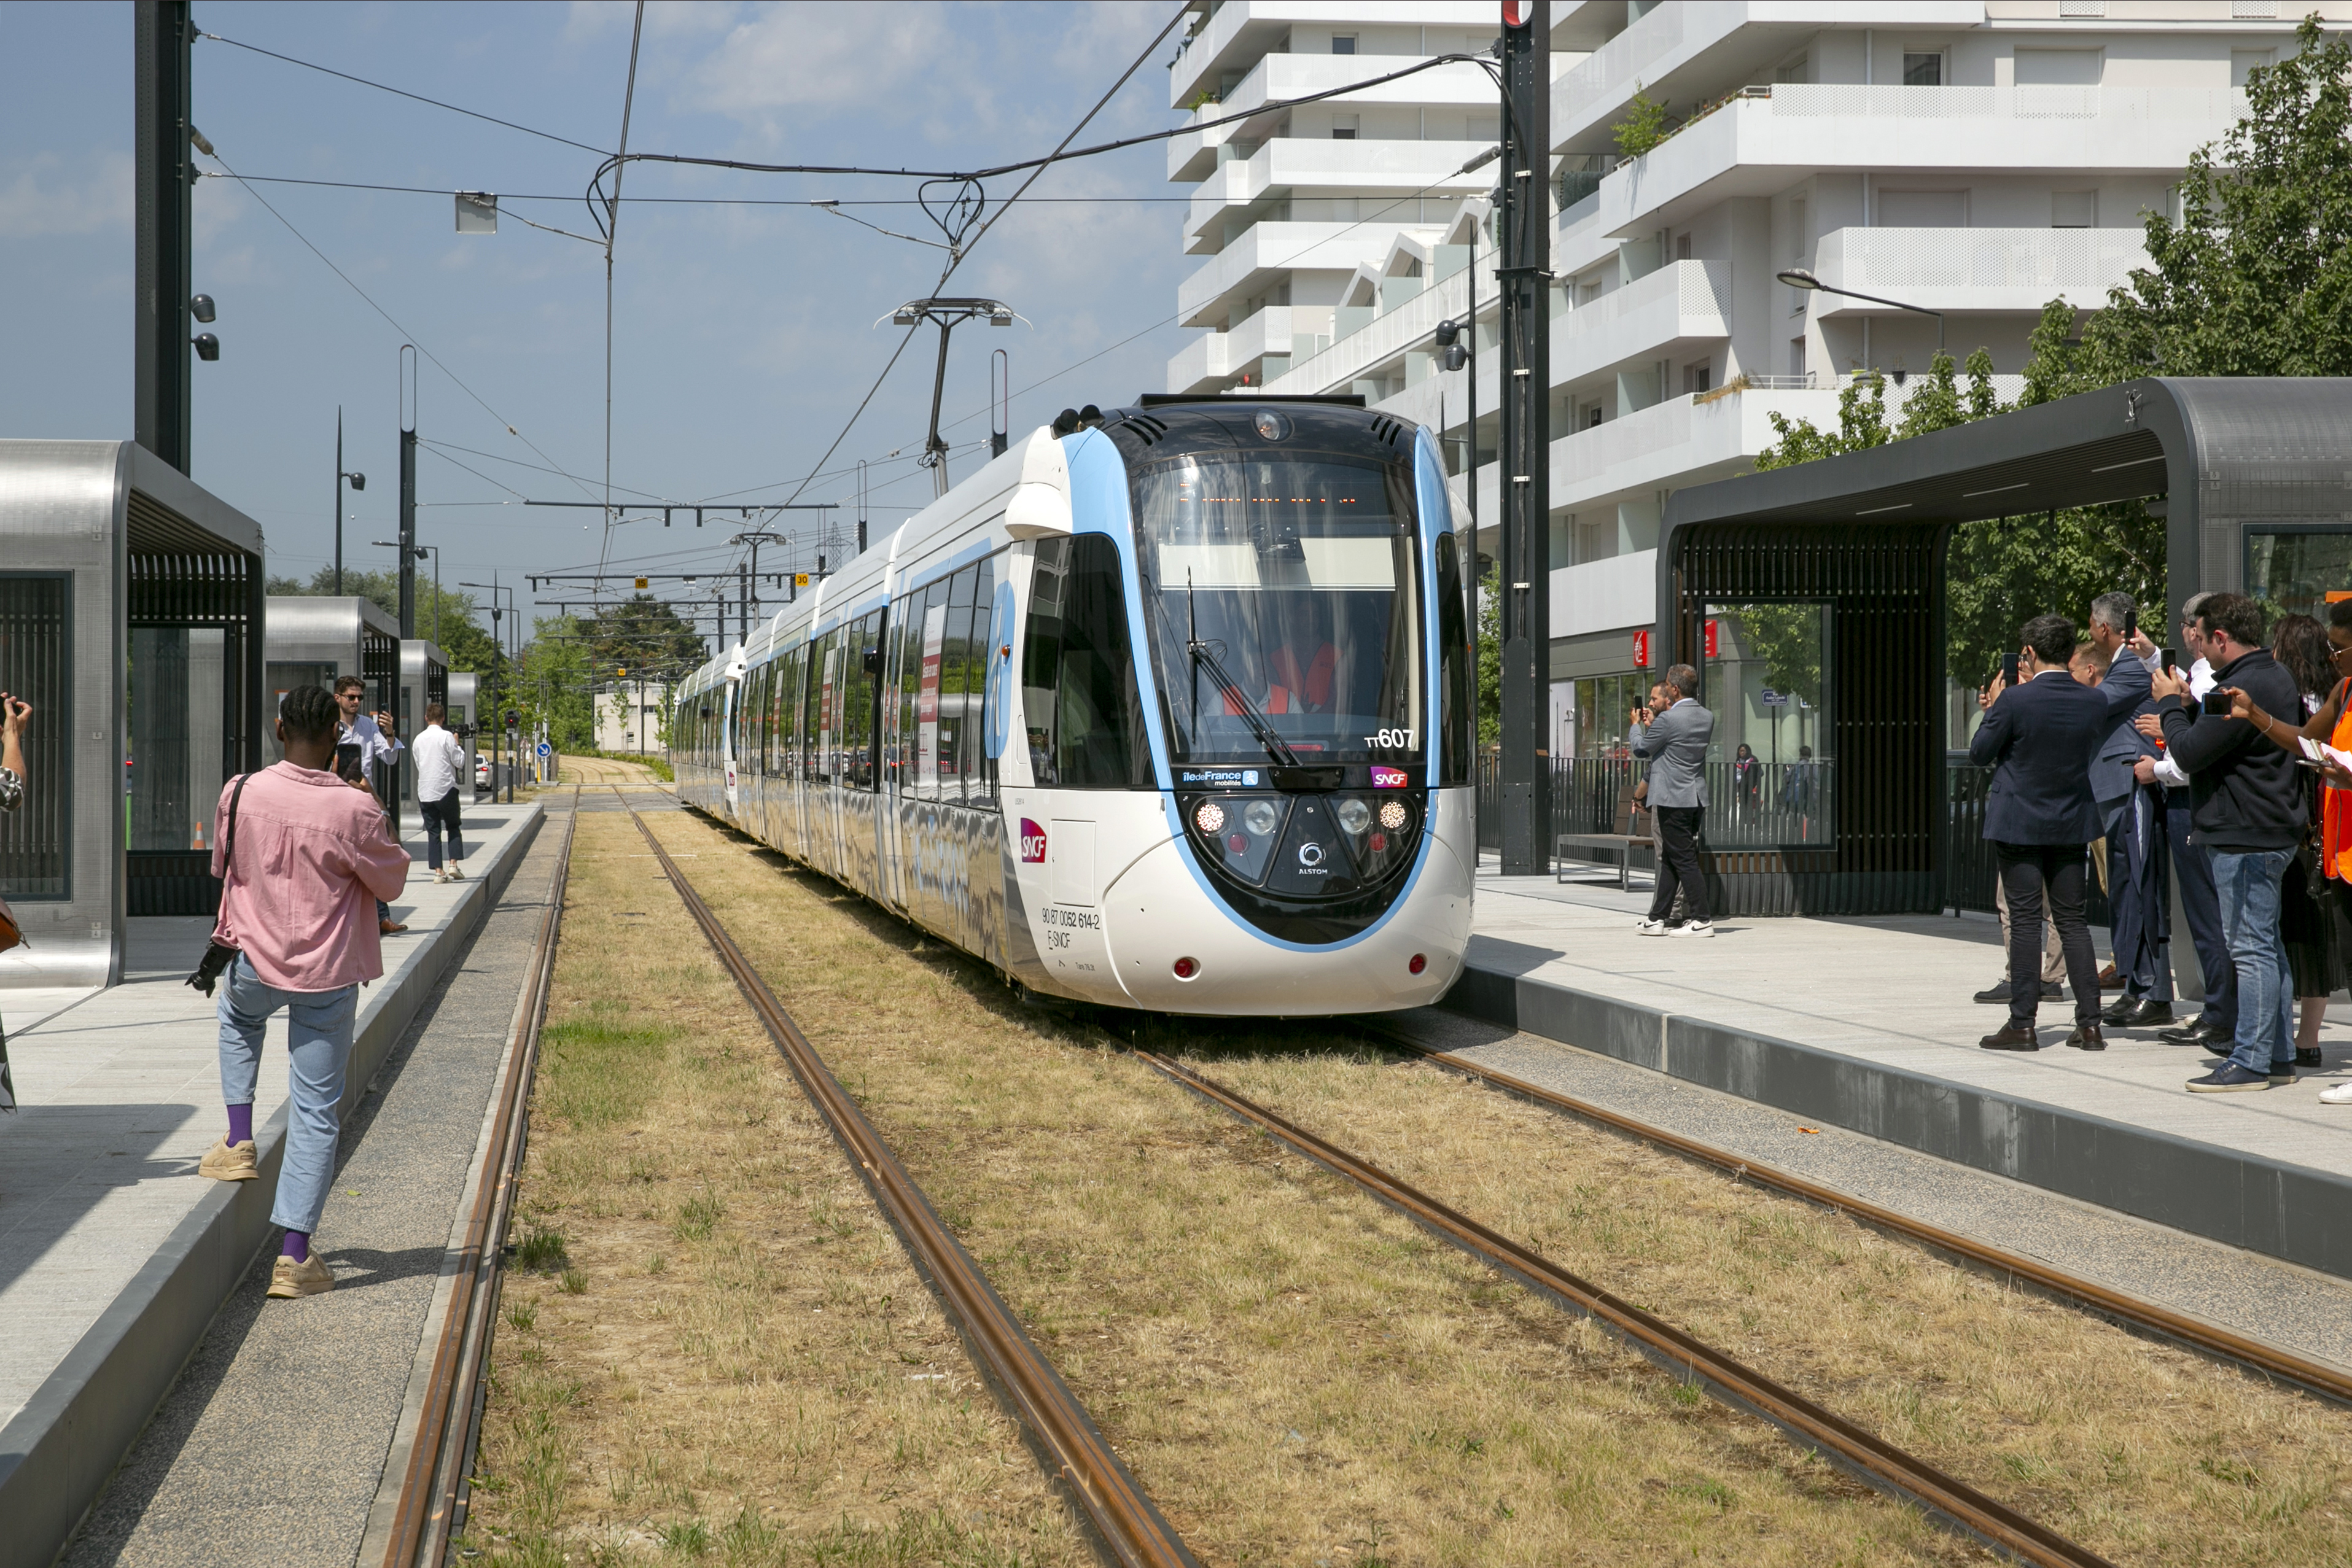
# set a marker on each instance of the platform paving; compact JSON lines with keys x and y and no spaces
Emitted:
{"x":1868,"y":1024}
{"x":114,"y":1255}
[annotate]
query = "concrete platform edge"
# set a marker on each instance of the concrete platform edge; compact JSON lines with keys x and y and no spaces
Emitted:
{"x":57,"y":1453}
{"x":2239,"y":1199}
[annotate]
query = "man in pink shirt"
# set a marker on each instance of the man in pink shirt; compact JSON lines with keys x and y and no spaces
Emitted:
{"x":301,"y":865}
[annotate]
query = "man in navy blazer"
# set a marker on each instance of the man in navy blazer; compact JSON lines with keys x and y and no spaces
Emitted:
{"x":2131,"y":817}
{"x":2040,"y":738}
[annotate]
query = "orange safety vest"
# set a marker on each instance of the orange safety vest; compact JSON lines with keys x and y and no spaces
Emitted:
{"x":2335,"y":809}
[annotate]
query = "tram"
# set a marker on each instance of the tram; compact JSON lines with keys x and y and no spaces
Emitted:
{"x":1171,"y":710}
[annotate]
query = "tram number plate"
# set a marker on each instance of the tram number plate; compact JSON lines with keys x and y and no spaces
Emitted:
{"x":1391,"y":740}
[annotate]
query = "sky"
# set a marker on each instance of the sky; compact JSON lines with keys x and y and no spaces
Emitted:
{"x":742,"y":336}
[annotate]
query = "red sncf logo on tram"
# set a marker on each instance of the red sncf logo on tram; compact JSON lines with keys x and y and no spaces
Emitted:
{"x":1033,"y":842}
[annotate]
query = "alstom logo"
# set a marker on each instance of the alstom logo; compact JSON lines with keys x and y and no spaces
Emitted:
{"x":1032,"y":844}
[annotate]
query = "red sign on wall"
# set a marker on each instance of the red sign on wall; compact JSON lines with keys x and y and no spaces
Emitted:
{"x":1710,"y":640}
{"x":1641,"y":650}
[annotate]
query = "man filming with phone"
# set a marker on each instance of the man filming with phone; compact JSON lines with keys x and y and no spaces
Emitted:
{"x":2248,"y":809}
{"x":377,"y":739}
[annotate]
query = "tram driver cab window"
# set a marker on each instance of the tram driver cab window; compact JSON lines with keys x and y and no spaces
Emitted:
{"x":1077,"y":675}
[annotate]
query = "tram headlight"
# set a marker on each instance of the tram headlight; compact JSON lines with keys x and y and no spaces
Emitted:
{"x":1260,"y":817}
{"x":1354,"y":816}
{"x":1211,"y":818}
{"x":1392,"y":815}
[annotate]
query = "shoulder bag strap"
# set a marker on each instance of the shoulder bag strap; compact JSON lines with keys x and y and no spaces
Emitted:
{"x":229,"y":839}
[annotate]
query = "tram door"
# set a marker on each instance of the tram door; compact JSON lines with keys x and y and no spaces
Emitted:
{"x":727,"y":742}
{"x":824,"y":814}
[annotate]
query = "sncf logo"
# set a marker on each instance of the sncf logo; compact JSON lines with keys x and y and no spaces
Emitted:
{"x":1033,"y":842}
{"x":1389,"y":778}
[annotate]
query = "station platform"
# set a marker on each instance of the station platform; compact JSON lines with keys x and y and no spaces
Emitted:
{"x":114,"y":1254}
{"x":1868,"y":1025}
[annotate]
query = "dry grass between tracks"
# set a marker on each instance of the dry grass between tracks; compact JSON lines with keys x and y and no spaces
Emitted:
{"x":712,"y":1345}
{"x":2143,"y":1452}
{"x":1296,"y":1374}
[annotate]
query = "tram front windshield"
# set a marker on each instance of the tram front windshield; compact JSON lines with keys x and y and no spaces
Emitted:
{"x":1282,"y":599}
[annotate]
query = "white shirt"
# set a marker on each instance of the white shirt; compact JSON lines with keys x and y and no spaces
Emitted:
{"x":440,"y":755}
{"x":2200,"y":681}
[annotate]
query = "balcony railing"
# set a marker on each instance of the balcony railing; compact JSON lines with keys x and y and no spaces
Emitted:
{"x":1764,"y":806}
{"x":1896,"y":260}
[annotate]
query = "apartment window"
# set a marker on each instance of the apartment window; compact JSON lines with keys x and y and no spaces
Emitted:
{"x":1343,"y":43}
{"x":2073,"y":209}
{"x":1682,"y":247}
{"x":1345,"y":126}
{"x":2244,"y":63}
{"x":1698,"y":378}
{"x":1591,"y":417}
{"x":1923,"y":69}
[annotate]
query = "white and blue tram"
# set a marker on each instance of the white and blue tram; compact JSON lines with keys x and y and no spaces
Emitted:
{"x":1172,"y":712}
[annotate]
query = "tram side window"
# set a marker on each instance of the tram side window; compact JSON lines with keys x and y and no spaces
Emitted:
{"x":955,"y":660}
{"x":1454,"y":675}
{"x":1077,"y":675}
{"x":815,"y":719}
{"x":979,"y":769}
{"x":789,"y":741}
{"x":860,"y":674}
{"x":907,"y":632}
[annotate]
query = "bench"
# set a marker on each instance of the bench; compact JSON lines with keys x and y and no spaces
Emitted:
{"x":1624,"y":842}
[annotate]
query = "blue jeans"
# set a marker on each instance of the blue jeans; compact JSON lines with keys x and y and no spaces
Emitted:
{"x":319,"y":1041}
{"x":2249,"y":885}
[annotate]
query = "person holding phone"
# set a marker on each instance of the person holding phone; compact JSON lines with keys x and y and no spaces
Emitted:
{"x":2039,"y":738}
{"x":2215,"y":1027}
{"x":2131,"y":820}
{"x":377,"y":738}
{"x":2247,"y":804}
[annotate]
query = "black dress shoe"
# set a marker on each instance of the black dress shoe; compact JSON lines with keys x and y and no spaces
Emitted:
{"x":2309,"y":1056}
{"x":2145,"y":1013}
{"x":2009,"y":1037}
{"x":2115,"y":1011}
{"x":2086,"y":1037}
{"x":2196,"y":1031}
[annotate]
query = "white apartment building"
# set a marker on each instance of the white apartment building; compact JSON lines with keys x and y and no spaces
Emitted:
{"x":627,"y":714}
{"x":1973,"y":157}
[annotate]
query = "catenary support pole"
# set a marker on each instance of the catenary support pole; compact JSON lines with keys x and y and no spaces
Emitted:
{"x":1523,"y":272}
{"x":164,"y":273}
{"x":407,"y":493}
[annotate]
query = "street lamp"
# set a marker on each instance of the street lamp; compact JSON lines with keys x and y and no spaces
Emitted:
{"x":359,"y":482}
{"x":949,"y":314}
{"x":421,"y":552}
{"x":1800,"y":277}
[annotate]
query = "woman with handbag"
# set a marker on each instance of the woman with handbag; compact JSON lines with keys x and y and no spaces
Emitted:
{"x":14,"y":716}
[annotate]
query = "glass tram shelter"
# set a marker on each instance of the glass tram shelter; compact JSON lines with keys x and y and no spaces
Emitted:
{"x":131,"y":613}
{"x":464,"y":695}
{"x":1814,"y":596}
{"x":423,"y":678}
{"x":314,"y":642}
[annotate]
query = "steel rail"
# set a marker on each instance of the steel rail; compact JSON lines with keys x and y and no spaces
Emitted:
{"x":1128,"y":1525}
{"x":2312,"y":1376}
{"x":434,"y":1482}
{"x":1875,"y":1459}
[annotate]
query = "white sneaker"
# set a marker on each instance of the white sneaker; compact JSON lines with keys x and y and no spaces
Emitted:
{"x":456,"y":871}
{"x":440,"y":876}
{"x":2339,"y":1096}
{"x":1692,"y":928}
{"x":1650,"y":927}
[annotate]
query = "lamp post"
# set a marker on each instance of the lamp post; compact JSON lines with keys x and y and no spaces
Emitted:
{"x":949,"y":314}
{"x":421,"y":552}
{"x":1800,"y":277}
{"x":514,"y":749}
{"x":359,"y":482}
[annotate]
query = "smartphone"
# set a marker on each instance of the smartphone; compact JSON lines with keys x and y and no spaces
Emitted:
{"x":347,"y":761}
{"x":2131,"y":625}
{"x":2170,"y":658}
{"x":2008,"y":669}
{"x":2216,"y":701}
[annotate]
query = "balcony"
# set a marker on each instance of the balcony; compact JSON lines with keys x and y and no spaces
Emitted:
{"x":1754,"y":146}
{"x":1368,"y":169}
{"x":1974,"y":270}
{"x":1621,"y":592}
{"x":1337,"y":368}
{"x":1244,"y":30}
{"x":1200,"y":365}
{"x":1259,"y":256}
{"x":1198,"y":369}
{"x":1683,"y":54}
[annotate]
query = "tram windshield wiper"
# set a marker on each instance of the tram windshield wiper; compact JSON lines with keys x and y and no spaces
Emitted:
{"x":1251,"y":714}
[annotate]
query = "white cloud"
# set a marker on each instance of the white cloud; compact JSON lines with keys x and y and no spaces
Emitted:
{"x":802,"y":56}
{"x":49,"y":196}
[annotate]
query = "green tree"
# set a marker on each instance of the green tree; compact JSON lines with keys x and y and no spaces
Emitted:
{"x":570,"y":656}
{"x":1644,"y":127}
{"x":1490,"y":659}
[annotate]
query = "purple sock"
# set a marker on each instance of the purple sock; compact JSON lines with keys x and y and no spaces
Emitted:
{"x":240,"y":1124}
{"x":297,"y":1247}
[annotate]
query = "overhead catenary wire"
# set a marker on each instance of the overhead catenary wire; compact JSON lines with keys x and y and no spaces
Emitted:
{"x":505,"y":196}
{"x":412,"y":337}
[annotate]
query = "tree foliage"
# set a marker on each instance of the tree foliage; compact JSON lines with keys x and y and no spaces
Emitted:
{"x":1490,"y":659}
{"x":569,"y":656}
{"x":1644,"y":127}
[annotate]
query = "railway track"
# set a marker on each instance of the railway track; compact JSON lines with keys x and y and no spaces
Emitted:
{"x":1875,"y":1460}
{"x":2208,"y":1339}
{"x":435,"y":1480}
{"x":1125,"y":1521}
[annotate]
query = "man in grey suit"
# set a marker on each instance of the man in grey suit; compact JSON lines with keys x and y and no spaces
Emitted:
{"x":2133,"y":824}
{"x":1674,"y":740}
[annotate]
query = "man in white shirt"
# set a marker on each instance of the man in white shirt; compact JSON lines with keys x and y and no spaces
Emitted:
{"x":2200,"y":901}
{"x":440,"y":759}
{"x":380,"y":748}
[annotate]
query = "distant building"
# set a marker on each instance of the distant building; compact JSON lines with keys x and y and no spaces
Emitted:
{"x":628,"y":715}
{"x":1975,"y":157}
